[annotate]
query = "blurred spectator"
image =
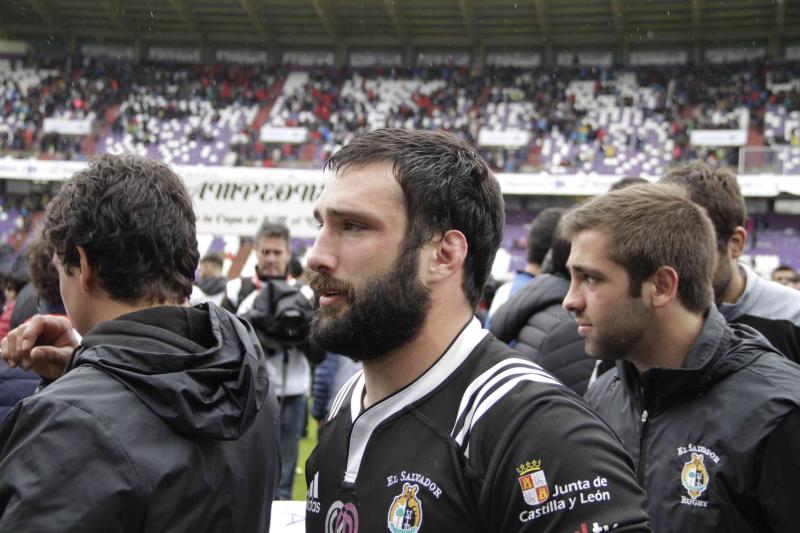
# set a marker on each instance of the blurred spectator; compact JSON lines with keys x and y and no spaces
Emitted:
{"x":210,"y":284}
{"x":785,"y":275}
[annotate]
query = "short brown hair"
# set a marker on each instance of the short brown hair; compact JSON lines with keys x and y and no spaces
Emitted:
{"x":716,"y":190}
{"x":650,"y":226}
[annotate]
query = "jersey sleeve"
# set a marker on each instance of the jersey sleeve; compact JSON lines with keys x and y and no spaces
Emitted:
{"x":62,"y":471}
{"x":552,"y":466}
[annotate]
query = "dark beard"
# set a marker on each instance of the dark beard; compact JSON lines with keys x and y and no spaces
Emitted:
{"x":387,"y":313}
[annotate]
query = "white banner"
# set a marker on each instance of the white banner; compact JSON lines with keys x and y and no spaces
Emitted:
{"x":514,"y":59}
{"x":236,"y":203}
{"x":734,"y":55}
{"x":503,"y":137}
{"x":68,"y":126}
{"x":235,"y":200}
{"x":793,"y":51}
{"x":13,"y":48}
{"x":107,"y":50}
{"x":242,"y":56}
{"x":431,"y":59}
{"x":586,"y":59}
{"x":659,"y":57}
{"x":272,"y":134}
{"x":718,"y":137}
{"x":308,"y":58}
{"x":180,"y":55}
{"x":372,"y":59}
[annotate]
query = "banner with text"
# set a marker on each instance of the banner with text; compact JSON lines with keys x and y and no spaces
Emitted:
{"x":718,"y":137}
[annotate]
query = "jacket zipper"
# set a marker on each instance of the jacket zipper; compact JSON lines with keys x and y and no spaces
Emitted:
{"x":642,"y":451}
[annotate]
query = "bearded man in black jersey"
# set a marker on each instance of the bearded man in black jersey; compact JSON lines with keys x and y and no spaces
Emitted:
{"x":446,"y":428}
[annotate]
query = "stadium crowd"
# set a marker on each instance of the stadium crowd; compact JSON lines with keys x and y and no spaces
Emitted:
{"x":637,"y":299}
{"x":576,"y":118}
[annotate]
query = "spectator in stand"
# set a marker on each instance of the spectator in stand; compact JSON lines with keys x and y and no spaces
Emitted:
{"x":26,"y":300}
{"x":540,"y":239}
{"x":741,"y":295}
{"x":16,"y":383}
{"x":11,"y":289}
{"x":210,"y":285}
{"x":784,"y":274}
{"x":44,"y":278}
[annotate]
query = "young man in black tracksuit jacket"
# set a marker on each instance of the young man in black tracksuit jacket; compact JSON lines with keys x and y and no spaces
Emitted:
{"x":162,"y":417}
{"x":709,"y":411}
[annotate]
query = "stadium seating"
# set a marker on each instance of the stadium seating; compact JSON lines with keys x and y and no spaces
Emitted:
{"x":632,"y":121}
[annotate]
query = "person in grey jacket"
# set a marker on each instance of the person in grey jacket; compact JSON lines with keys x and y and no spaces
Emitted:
{"x":531,"y":321}
{"x":162,"y":418}
{"x":709,"y":411}
{"x":743,"y":297}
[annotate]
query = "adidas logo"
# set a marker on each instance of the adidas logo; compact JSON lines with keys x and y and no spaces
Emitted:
{"x":312,"y":497}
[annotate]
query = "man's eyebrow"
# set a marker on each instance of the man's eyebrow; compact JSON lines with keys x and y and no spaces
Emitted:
{"x":347,"y":213}
{"x":588,"y":271}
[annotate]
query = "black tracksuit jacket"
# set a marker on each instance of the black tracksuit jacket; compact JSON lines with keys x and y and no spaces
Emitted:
{"x":716,"y":442}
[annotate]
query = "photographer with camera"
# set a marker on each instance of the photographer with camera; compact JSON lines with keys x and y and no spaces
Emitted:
{"x":280,"y":312}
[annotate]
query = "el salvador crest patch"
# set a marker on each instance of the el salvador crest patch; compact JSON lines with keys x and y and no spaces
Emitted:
{"x":405,"y":513}
{"x":694,"y":476}
{"x":533,"y":483}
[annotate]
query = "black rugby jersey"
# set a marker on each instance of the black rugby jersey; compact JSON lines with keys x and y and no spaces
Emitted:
{"x":483,"y":441}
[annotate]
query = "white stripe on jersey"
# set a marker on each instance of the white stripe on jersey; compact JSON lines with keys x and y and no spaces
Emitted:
{"x":498,"y":395}
{"x":477,"y":383}
{"x":479,"y":397}
{"x":342,"y":394}
{"x":366,"y":421}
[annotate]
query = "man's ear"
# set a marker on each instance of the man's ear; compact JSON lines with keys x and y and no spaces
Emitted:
{"x":446,"y":256}
{"x":663,"y":285}
{"x":737,"y":242}
{"x":87,"y":273}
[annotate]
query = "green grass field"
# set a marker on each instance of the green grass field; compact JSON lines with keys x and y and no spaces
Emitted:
{"x":306,"y":446}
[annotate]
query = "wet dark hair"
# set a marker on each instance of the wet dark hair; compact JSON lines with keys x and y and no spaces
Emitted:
{"x":135,"y":221}
{"x":542,"y":233}
{"x":447,"y":186}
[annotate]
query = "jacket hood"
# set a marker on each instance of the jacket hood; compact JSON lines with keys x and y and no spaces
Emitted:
{"x":544,"y":291}
{"x":200,"y":369}
{"x":720,"y":350}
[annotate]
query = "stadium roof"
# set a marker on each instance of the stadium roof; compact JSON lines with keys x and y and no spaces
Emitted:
{"x":391,"y":23}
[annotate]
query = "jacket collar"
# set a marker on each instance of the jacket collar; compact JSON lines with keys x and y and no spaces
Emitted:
{"x":716,"y":353}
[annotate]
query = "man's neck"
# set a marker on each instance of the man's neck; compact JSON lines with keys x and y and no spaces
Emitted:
{"x":401,"y":367}
{"x":736,"y":287}
{"x":668,"y":340}
{"x":533,"y":269}
{"x":109,"y":309}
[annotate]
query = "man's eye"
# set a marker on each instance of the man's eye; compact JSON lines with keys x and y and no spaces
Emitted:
{"x":352,"y":226}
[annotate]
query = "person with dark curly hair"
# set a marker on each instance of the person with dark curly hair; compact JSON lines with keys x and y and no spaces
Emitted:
{"x":162,"y":418}
{"x":44,"y":277}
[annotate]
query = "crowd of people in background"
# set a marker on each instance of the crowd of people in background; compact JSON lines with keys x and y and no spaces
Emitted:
{"x":336,"y":104}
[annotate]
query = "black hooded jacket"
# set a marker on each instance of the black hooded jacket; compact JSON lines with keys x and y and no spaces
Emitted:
{"x":164,"y":421}
{"x":544,"y":332}
{"x":717,"y":441}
